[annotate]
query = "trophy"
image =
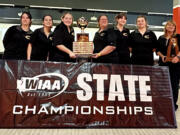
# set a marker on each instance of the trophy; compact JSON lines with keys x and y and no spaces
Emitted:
{"x":172,"y":49}
{"x":82,"y":47}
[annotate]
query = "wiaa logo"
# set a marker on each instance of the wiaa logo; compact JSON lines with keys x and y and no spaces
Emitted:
{"x":40,"y":84}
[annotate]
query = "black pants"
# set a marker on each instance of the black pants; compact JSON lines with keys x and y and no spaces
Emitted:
{"x":174,"y":70}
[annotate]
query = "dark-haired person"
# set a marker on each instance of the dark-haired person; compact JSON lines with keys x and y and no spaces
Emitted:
{"x":41,"y":41}
{"x":143,"y":42}
{"x":174,"y":65}
{"x":122,"y":42}
{"x":104,"y":43}
{"x":63,"y":38}
{"x":17,"y":38}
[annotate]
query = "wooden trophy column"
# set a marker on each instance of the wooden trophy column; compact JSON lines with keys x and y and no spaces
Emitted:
{"x":172,"y":50}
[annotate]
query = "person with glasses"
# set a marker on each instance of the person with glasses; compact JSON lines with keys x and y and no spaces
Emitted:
{"x":104,"y":43}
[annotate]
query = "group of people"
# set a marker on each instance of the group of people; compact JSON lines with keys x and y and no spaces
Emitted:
{"x":111,"y":45}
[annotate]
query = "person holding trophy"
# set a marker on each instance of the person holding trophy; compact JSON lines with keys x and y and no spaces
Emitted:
{"x":168,"y":50}
{"x":105,"y":43}
{"x":63,"y":38}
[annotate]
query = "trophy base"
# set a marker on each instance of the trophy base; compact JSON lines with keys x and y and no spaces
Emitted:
{"x":83,"y":49}
{"x":83,"y":55}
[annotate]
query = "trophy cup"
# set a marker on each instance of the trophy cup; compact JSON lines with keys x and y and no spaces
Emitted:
{"x":82,"y":47}
{"x":172,"y":50}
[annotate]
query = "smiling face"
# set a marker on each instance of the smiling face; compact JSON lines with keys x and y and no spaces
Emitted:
{"x":170,"y":27}
{"x":121,"y":21}
{"x":47,"y":21}
{"x":25,"y":19}
{"x":67,"y":19}
{"x":103,"y":22}
{"x":141,"y":22}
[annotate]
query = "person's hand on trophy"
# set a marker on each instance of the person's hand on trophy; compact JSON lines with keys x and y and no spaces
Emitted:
{"x":72,"y":55}
{"x":96,"y":55}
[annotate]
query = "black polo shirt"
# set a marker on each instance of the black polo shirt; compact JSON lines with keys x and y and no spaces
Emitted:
{"x":61,"y":36}
{"x":142,"y":47}
{"x":15,"y":42}
{"x":103,"y":39}
{"x":122,"y":43}
{"x":163,"y":46}
{"x":41,"y":45}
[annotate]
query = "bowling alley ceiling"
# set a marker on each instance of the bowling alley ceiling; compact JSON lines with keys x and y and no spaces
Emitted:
{"x":157,"y":11}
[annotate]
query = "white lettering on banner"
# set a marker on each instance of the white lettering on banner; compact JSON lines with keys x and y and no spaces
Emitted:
{"x":100,"y":85}
{"x":115,"y":87}
{"x":144,"y":88}
{"x":85,"y":91}
{"x":56,"y":109}
{"x":116,"y":82}
{"x":16,"y":108}
{"x":28,"y":109}
{"x":43,"y":109}
{"x":131,"y":86}
{"x":27,"y":84}
{"x":110,"y":110}
{"x":84,"y":110}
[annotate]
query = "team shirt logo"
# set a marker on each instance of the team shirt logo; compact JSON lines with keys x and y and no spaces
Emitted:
{"x":28,"y":37}
{"x":146,"y":36}
{"x":125,"y":34}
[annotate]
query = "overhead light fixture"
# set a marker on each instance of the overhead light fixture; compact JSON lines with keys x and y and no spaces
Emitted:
{"x":93,"y":18}
{"x":155,"y":26}
{"x":7,"y":5}
{"x":20,"y":13}
{"x":49,"y":7}
{"x":7,"y":18}
{"x":156,"y":13}
{"x":164,"y":23}
{"x":104,"y":10}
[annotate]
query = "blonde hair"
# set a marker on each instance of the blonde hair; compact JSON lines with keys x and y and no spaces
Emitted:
{"x":165,"y":30}
{"x":64,"y":14}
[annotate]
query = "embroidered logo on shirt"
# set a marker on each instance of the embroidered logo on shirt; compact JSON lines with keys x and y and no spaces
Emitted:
{"x":102,"y":34}
{"x":125,"y":34}
{"x":146,"y":36}
{"x":51,"y":38}
{"x":27,"y":37}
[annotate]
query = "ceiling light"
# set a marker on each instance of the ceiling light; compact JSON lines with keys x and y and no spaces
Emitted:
{"x":49,"y":7}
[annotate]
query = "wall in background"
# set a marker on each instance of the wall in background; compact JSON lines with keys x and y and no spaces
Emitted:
{"x":163,"y":6}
